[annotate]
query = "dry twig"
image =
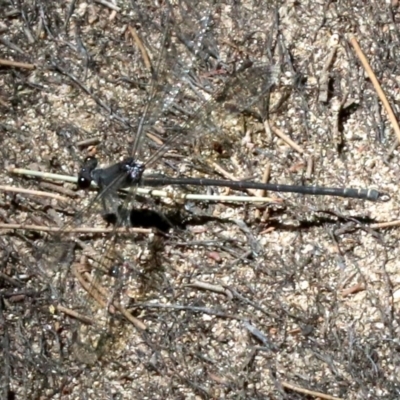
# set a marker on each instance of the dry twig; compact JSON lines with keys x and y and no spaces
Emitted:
{"x":16,"y":64}
{"x":376,"y":84}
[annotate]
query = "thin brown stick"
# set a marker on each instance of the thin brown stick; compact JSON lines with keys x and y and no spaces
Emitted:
{"x":145,"y":55}
{"x":93,"y":282}
{"x":224,"y":173}
{"x":376,"y":85}
{"x":11,"y":63}
{"x":99,"y":294}
{"x":88,"y":287}
{"x":103,"y":292}
{"x":75,"y":315}
{"x":33,"y":192}
{"x":158,"y":141}
{"x":313,"y":393}
{"x":139,"y":324}
{"x":358,"y":287}
{"x":287,"y":140}
{"x":59,"y":189}
{"x":210,"y":287}
{"x":88,"y":142}
{"x":41,"y":228}
{"x":389,"y":224}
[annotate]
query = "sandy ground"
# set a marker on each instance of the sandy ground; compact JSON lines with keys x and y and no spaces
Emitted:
{"x":295,"y":297}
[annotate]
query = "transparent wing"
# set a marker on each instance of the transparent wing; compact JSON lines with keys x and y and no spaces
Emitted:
{"x":83,"y":288}
{"x":194,"y":88}
{"x":181,"y":97}
{"x":180,"y":53}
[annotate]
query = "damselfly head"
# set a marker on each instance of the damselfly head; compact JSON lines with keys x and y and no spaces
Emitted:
{"x":85,"y":173}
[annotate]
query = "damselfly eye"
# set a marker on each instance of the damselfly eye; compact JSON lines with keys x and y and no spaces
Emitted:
{"x":83,"y":181}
